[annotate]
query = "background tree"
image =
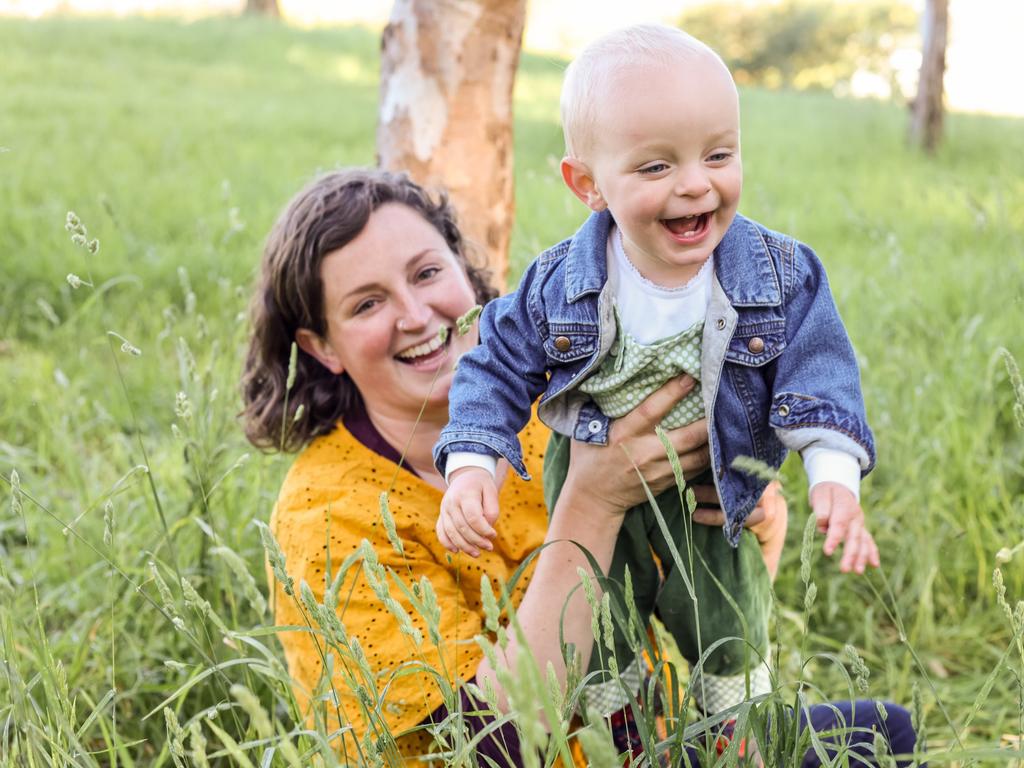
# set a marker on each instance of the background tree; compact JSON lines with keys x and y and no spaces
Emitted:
{"x":926,"y":118}
{"x":445,"y":114}
{"x":262,"y":8}
{"x":804,"y":43}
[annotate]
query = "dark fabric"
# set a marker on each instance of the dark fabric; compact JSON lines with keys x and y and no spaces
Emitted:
{"x":503,"y":748}
{"x":499,"y":748}
{"x":357,"y":422}
{"x":865,"y":718}
{"x":659,"y":587}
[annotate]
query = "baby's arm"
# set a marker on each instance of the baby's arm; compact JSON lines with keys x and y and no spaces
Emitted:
{"x":818,"y":410}
{"x":496,"y":383}
{"x":469,"y":511}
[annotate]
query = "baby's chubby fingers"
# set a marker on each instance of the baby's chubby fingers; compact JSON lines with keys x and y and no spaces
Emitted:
{"x":459,"y":542}
{"x":835,"y":507}
{"x":471,"y":526}
{"x":853,"y":546}
{"x":866,"y":552}
{"x":442,"y":534}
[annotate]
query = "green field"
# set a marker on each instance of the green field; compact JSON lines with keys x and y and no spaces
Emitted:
{"x":176,"y":145}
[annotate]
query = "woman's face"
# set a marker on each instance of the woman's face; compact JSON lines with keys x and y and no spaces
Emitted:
{"x":386,"y":296}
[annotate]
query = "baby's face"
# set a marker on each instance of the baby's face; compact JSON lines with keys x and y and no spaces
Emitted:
{"x":665,"y":158}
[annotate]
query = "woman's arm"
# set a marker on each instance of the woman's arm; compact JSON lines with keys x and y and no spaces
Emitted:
{"x":601,"y":484}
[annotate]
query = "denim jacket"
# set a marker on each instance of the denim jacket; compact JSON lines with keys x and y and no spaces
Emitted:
{"x":779,"y":372}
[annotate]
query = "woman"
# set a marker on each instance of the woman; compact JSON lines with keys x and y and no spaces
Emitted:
{"x":367,"y":274}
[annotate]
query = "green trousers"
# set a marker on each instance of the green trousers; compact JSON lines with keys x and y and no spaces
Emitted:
{"x":659,"y":588}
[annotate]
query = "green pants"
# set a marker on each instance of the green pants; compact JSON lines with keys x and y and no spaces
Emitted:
{"x":659,"y":588}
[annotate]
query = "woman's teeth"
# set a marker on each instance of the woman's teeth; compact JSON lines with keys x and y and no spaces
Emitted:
{"x":420,"y":350}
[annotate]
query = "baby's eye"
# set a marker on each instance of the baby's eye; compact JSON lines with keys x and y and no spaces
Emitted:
{"x":719,"y":157}
{"x":654,"y":168}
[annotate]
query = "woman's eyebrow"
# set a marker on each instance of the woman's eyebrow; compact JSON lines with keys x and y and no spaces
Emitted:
{"x":374,"y":285}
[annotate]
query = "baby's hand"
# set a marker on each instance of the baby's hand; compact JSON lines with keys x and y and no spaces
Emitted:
{"x":469,"y":510}
{"x":841,"y":519}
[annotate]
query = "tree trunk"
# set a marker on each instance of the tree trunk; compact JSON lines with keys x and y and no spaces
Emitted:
{"x":447,"y":71}
{"x":262,"y":8}
{"x":926,"y":120}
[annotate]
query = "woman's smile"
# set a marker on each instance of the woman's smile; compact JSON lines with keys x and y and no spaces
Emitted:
{"x":429,"y":353}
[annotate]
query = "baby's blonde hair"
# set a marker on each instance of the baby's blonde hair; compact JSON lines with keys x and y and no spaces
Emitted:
{"x":593,"y":70}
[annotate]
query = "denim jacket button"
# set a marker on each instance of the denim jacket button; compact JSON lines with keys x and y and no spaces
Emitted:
{"x":756,"y":345}
{"x":562,"y":343}
{"x":783,"y":410}
{"x":720,"y":323}
{"x":594,"y":426}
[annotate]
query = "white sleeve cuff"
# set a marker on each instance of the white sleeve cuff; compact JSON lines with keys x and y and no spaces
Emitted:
{"x":460,"y":459}
{"x":829,"y":465}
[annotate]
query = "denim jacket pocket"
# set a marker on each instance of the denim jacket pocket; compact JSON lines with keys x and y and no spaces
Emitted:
{"x":754,"y":344}
{"x":569,"y":342}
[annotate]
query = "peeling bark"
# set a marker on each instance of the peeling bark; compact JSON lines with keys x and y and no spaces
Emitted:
{"x":447,"y":71}
{"x":262,"y":7}
{"x":926,"y":119}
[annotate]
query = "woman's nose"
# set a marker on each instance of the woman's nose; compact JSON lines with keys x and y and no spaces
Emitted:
{"x":413,"y":315}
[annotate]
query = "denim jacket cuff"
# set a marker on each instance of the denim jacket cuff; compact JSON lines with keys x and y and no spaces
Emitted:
{"x":468,"y":441}
{"x":802,"y":421}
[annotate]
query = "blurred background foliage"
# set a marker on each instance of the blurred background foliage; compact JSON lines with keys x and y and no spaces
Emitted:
{"x":805,"y":43}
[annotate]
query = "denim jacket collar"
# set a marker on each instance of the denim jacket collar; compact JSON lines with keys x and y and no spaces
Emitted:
{"x":742,"y":263}
{"x":583,"y":273}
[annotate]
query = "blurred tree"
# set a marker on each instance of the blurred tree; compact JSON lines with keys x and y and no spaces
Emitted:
{"x":804,"y":43}
{"x":445,"y":115}
{"x":926,"y":117}
{"x":262,"y":8}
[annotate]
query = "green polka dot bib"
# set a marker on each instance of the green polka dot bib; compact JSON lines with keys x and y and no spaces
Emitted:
{"x":632,"y":371}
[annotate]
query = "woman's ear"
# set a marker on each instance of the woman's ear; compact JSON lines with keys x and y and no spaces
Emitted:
{"x":316,"y":346}
{"x":578,"y":177}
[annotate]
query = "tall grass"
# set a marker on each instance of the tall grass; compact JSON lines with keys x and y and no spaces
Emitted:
{"x":132,"y":624}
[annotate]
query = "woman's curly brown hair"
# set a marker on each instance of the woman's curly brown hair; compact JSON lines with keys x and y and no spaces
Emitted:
{"x":325,"y":216}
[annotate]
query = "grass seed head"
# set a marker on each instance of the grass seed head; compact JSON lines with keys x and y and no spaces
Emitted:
{"x":293,"y":360}
{"x":389,"y":524}
{"x":16,"y":508}
{"x":860,"y":669}
{"x":108,"y":522}
{"x":197,"y":745}
{"x":491,"y":610}
{"x":275,"y":556}
{"x":464,"y":324}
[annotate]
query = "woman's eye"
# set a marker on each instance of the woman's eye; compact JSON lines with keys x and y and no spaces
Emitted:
{"x":428,"y":272}
{"x":363,"y":306}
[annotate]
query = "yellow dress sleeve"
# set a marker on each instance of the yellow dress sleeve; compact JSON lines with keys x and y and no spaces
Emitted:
{"x":328,"y":506}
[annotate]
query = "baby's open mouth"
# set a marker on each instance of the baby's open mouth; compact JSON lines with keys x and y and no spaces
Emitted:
{"x":426,"y":351}
{"x":688,"y":226}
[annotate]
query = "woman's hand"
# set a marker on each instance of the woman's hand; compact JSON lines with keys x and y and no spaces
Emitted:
{"x":607,"y":475}
{"x":768,"y":522}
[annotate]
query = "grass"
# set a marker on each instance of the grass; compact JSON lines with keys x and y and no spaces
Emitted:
{"x":177,"y":144}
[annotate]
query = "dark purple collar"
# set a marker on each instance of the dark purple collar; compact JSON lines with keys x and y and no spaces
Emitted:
{"x":357,"y":422}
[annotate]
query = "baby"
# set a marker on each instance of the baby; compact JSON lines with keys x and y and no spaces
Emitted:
{"x":663,"y":278}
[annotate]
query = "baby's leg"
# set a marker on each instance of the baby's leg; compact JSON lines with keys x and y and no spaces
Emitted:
{"x":604,"y":694}
{"x":719,"y":677}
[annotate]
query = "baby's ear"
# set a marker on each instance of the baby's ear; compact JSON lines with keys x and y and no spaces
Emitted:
{"x":578,"y":177}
